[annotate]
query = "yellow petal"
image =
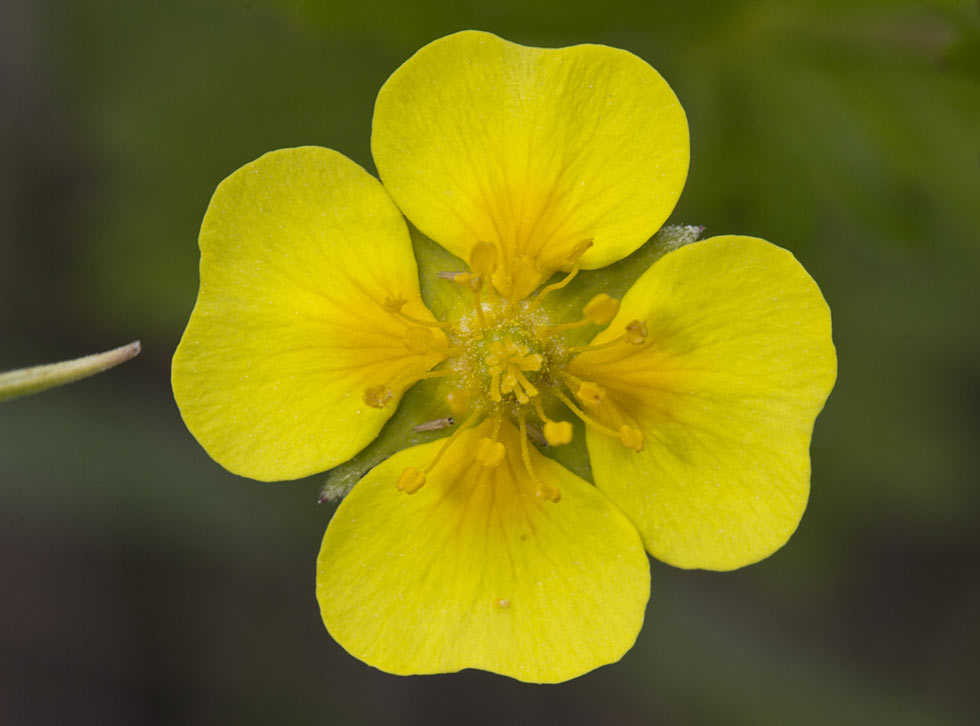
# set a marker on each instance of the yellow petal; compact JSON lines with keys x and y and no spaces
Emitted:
{"x":736,"y":366}
{"x":299,"y":251}
{"x":534,"y":150}
{"x":474,"y":571}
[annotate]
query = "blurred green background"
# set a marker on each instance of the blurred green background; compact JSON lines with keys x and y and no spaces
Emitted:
{"x":142,"y":584}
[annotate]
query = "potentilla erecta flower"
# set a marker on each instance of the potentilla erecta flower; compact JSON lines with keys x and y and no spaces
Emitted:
{"x":695,"y":392}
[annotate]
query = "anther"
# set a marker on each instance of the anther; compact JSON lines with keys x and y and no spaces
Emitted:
{"x":636,"y":332}
{"x":556,"y":433}
{"x":572,"y":262}
{"x":601,"y":309}
{"x":378,"y":396}
{"x":590,"y":394}
{"x":489,"y":452}
{"x":483,"y":259}
{"x":632,"y":438}
{"x":411,"y":480}
{"x":524,"y":277}
{"x":548,"y":492}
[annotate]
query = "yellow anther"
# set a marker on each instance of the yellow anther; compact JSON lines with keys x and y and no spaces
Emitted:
{"x":378,"y":396}
{"x":548,"y":492}
{"x":590,"y":394}
{"x":458,"y":401}
{"x":489,"y":452}
{"x":394,"y":304}
{"x":636,"y":332}
{"x":543,"y":491}
{"x":578,"y":250}
{"x":632,"y":438}
{"x":601,"y":309}
{"x":557,"y":433}
{"x":411,"y":480}
{"x":483,"y":259}
{"x":524,"y":277}
{"x":419,"y":340}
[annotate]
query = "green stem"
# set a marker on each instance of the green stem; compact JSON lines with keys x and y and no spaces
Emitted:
{"x":31,"y":380}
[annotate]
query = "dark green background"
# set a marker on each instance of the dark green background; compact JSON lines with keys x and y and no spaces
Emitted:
{"x":141,"y":583}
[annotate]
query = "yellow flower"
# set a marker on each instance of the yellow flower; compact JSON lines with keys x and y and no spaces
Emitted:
{"x":698,"y":394}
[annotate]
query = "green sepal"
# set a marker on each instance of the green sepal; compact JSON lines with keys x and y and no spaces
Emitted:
{"x":425,"y":401}
{"x":614,"y":280}
{"x":443,"y":297}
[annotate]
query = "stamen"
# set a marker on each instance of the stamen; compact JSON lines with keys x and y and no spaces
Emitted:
{"x":524,"y":277}
{"x":483,"y":259}
{"x":589,"y":393}
{"x":394,"y":306}
{"x":543,"y":491}
{"x":582,"y":415}
{"x":479,"y":309}
{"x":631,"y":438}
{"x":435,"y":425}
{"x":601,"y":309}
{"x":556,"y":433}
{"x":600,"y":346}
{"x":495,"y":387}
{"x":573,"y":259}
{"x":489,"y":452}
{"x":411,"y":479}
{"x":378,"y":396}
{"x":449,"y":441}
{"x":636,"y":334}
{"x":575,"y":256}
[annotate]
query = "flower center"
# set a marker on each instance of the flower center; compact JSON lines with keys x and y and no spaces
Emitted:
{"x":507,"y":360}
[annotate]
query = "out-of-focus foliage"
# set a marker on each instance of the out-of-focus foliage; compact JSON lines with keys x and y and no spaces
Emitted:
{"x":848,"y":132}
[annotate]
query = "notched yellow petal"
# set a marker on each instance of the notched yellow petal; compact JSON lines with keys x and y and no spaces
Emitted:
{"x":532,"y":150}
{"x":738,"y":363}
{"x":307,"y":284}
{"x":479,"y":570}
